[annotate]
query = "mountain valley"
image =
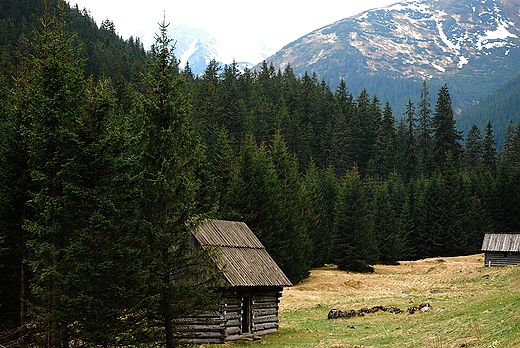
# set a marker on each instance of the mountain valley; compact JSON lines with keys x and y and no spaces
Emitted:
{"x":474,"y":46}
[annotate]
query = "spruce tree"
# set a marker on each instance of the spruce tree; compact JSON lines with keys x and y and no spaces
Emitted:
{"x":489,"y":152}
{"x":409,"y":150}
{"x":482,"y":203}
{"x":293,"y":214}
{"x":384,"y":154}
{"x":433,"y":220}
{"x":354,"y":244}
{"x":414,"y":218}
{"x":15,"y":182}
{"x":322,"y":188}
{"x":511,"y":145}
{"x":254,"y":197}
{"x":424,"y":130}
{"x":107,"y":287}
{"x":446,"y":137}
{"x":232,"y":104}
{"x":85,"y":246}
{"x":340,"y":139}
{"x":172,"y":156}
{"x":474,"y":148}
{"x":389,"y":242}
{"x":362,"y":137}
{"x":507,"y":216}
{"x":389,"y":140}
{"x":56,"y":96}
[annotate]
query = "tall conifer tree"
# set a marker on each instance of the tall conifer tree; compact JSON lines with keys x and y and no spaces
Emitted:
{"x":293,"y":214}
{"x":14,"y":188}
{"x":84,"y":242}
{"x":446,"y":137}
{"x":322,"y":188}
{"x":390,"y":244}
{"x":341,"y":143}
{"x":409,"y":151}
{"x":172,"y":157}
{"x":489,"y":152}
{"x":474,"y":147}
{"x":424,"y":129}
{"x":355,"y":247}
{"x":107,"y":285}
{"x":55,"y":107}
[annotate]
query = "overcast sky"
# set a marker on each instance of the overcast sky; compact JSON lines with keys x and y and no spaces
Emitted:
{"x":242,"y":26}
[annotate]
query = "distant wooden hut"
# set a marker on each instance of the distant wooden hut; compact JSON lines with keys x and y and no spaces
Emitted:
{"x":501,"y":249}
{"x":254,"y":286}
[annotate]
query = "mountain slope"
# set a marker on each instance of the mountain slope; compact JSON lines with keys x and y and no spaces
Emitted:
{"x":198,"y":48}
{"x":501,"y":106}
{"x":472,"y":44}
{"x":106,"y":53}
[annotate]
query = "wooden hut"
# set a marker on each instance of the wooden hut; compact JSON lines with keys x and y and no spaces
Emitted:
{"x":501,"y":249}
{"x":254,"y":285}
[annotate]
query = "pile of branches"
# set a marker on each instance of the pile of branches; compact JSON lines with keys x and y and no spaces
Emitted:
{"x":337,"y":313}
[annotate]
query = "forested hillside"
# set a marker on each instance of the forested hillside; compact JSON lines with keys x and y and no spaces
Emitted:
{"x":103,"y":177}
{"x":104,"y":51}
{"x":473,"y":45}
{"x":503,"y":106}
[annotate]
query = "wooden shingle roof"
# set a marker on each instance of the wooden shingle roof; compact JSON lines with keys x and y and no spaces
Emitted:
{"x":240,"y":254}
{"x":501,"y":242}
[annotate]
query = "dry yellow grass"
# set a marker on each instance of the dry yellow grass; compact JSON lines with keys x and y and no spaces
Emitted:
{"x":472,"y":306}
{"x":328,"y":285}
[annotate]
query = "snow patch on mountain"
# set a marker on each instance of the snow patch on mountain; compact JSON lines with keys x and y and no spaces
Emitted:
{"x":447,"y":42}
{"x":440,"y":68}
{"x":500,"y":33}
{"x":410,"y":31}
{"x":416,"y":6}
{"x":462,"y":61}
{"x":317,"y":57}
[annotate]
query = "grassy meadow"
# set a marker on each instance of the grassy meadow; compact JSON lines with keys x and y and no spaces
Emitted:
{"x":472,"y":306}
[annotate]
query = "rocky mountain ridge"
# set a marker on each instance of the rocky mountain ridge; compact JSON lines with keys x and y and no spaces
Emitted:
{"x":472,"y":44}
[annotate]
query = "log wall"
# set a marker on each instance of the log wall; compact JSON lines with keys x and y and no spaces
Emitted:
{"x":265,"y":311}
{"x":500,"y":258}
{"x":202,"y":328}
{"x":226,"y":325}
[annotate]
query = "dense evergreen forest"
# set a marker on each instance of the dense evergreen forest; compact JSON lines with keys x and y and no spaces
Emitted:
{"x":503,"y":105}
{"x":105,"y":171}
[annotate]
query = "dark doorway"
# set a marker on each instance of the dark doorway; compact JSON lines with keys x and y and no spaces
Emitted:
{"x":246,"y":314}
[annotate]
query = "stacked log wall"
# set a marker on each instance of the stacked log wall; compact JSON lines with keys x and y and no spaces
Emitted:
{"x":232,"y":311}
{"x":203,"y":328}
{"x":226,"y":325}
{"x":265,"y":311}
{"x":497,"y":258}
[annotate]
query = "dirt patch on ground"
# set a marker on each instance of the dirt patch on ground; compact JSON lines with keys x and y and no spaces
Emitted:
{"x":328,"y":285}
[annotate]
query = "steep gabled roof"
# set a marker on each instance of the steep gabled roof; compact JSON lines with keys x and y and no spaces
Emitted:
{"x":507,"y":242}
{"x":240,"y":254}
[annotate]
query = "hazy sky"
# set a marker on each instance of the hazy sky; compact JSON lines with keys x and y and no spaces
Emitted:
{"x":242,"y":26}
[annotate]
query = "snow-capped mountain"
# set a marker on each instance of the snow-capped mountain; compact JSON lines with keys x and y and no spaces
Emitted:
{"x":448,"y":40}
{"x":193,"y":45}
{"x":198,"y":48}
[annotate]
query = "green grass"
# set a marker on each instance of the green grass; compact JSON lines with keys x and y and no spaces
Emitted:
{"x":480,"y":310}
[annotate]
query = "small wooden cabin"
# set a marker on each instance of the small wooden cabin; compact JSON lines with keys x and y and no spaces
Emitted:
{"x":501,"y":249}
{"x":254,"y":285}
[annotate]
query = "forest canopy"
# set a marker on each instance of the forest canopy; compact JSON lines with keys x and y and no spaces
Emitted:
{"x":103,"y":171}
